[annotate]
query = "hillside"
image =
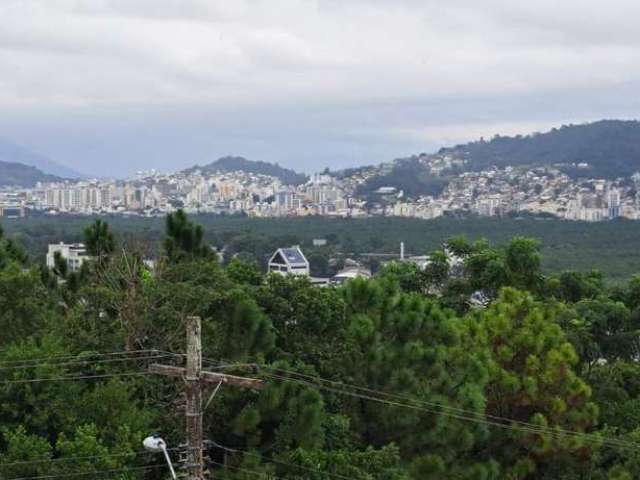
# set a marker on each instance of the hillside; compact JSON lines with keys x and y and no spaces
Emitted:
{"x":13,"y":173}
{"x":409,"y":175}
{"x":611,"y":148}
{"x":12,"y":153}
{"x":230,"y":164}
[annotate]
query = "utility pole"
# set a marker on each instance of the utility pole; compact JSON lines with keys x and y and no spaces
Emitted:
{"x":195,"y":460}
{"x":195,"y":378}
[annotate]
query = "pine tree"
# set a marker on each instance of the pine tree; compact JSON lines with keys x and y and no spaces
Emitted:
{"x":184,"y":239}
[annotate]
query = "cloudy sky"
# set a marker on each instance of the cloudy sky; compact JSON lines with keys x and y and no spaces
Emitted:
{"x":112,"y":86}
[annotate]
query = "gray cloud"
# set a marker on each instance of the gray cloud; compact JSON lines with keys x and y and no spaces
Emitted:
{"x":407,"y":73}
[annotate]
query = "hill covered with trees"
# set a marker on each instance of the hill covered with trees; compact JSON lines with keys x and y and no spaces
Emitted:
{"x":13,"y":153}
{"x":610,"y":148}
{"x":230,"y":164}
{"x":12,"y":173}
{"x":478,"y":368}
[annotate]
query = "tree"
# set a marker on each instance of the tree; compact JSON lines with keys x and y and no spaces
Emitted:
{"x":99,"y":240}
{"x":405,"y":345}
{"x":10,"y":252}
{"x":612,"y":332}
{"x":184,"y":239}
{"x":25,"y":306}
{"x":575,"y":286}
{"x":532,"y":379}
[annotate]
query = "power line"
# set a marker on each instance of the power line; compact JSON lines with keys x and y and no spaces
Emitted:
{"x":438,"y":405}
{"x":95,"y":472}
{"x":476,"y":419}
{"x":73,"y":459}
{"x":239,"y":469}
{"x":73,"y":377}
{"x":80,"y":355}
{"x":454,"y":412}
{"x":84,"y":362}
{"x":281,"y":462}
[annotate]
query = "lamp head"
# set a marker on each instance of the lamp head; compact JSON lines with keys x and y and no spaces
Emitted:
{"x":154,"y":443}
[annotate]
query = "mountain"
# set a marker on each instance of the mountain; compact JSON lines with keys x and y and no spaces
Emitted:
{"x":13,"y":173}
{"x":10,"y":152}
{"x":231,"y":164}
{"x":611,"y":148}
{"x":606,"y":149}
{"x":409,"y":175}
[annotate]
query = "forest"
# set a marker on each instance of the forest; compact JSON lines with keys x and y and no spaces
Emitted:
{"x":608,"y":147}
{"x":480,"y":366}
{"x":610,"y":247}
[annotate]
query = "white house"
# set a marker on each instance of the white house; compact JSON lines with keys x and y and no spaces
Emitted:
{"x":74,"y":253}
{"x":289,"y":261}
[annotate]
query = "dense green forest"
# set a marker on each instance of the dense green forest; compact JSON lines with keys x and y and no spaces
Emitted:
{"x":481,"y":366}
{"x":610,"y":247}
{"x":232,"y":164}
{"x":408,"y":175}
{"x":610,"y":147}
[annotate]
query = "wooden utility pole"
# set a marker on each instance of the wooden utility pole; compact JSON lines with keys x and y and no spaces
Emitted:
{"x":194,"y":378}
{"x":195,"y":460}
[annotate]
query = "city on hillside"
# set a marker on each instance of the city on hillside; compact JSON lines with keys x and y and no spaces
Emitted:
{"x":494,"y":191}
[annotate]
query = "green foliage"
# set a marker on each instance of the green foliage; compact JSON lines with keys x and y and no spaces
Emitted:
{"x":184,"y":239}
{"x":533,"y":380}
{"x":407,"y":175}
{"x":231,"y":164}
{"x":99,"y":240}
{"x":609,"y":247}
{"x":25,"y":307}
{"x":610,"y":148}
{"x":400,"y":377}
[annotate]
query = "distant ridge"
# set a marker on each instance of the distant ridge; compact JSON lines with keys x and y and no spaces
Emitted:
{"x":18,"y":174}
{"x":607,"y":149}
{"x":611,"y":148}
{"x":231,"y":164}
{"x":13,"y":153}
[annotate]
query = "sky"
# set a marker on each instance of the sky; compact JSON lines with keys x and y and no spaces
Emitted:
{"x":109,"y":87}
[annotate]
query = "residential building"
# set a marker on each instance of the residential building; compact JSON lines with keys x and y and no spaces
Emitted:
{"x":289,"y":261}
{"x":74,"y":253}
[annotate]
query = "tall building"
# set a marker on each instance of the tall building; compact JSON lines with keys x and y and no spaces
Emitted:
{"x":613,"y":202}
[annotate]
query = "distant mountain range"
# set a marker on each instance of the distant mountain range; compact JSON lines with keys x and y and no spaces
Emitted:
{"x":18,"y":174}
{"x":606,"y":149}
{"x":230,"y":164}
{"x":13,"y":153}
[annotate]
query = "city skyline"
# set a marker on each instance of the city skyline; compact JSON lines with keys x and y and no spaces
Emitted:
{"x":112,"y":87}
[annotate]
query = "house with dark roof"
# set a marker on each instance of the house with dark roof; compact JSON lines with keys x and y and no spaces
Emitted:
{"x":289,"y":261}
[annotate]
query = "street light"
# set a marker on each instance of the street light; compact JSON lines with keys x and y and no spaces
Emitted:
{"x":156,"y":444}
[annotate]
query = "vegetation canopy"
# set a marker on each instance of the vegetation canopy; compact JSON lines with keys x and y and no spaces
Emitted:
{"x":482,"y":365}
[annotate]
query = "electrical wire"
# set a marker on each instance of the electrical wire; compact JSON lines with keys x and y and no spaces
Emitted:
{"x":75,"y":356}
{"x":281,"y":462}
{"x":84,"y":362}
{"x":73,"y":459}
{"x":74,"y":377}
{"x":538,"y":430}
{"x":239,"y":469}
{"x":435,"y":405}
{"x":455,"y":412}
{"x":95,"y":472}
